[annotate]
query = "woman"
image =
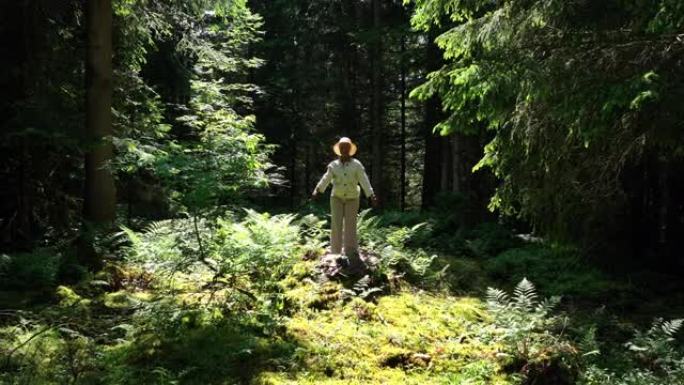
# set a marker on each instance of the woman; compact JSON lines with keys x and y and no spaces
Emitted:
{"x":346,"y":173}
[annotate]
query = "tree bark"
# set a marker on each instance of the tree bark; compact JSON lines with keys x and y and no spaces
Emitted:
{"x":403,"y":123}
{"x":377,"y":107}
{"x":457,"y":164}
{"x":307,"y":165}
{"x":358,"y":18}
{"x":433,"y":142}
{"x":293,"y":168}
{"x":100,"y":192}
{"x":663,"y":210}
{"x":348,"y":119}
{"x":446,"y":164}
{"x":24,"y":220}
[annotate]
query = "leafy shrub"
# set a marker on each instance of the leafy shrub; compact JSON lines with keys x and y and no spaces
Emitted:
{"x":314,"y":237}
{"x":391,"y":243}
{"x":414,"y":264}
{"x":431,"y":229}
{"x":169,"y":245}
{"x":459,"y":275}
{"x":35,"y":269}
{"x":490,"y":239}
{"x":556,"y":269}
{"x":532,"y":338}
{"x":481,"y":372}
{"x":441,"y":230}
{"x":375,"y":235}
{"x":36,"y":353}
{"x":370,"y":231}
{"x":5,"y":261}
{"x":448,"y":210}
{"x":228,"y":246}
{"x":402,"y":218}
{"x":261,"y":246}
{"x":166,"y":343}
{"x":244,"y":259}
{"x":652,"y":359}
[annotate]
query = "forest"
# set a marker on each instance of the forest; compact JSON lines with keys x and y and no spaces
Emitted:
{"x":175,"y":204}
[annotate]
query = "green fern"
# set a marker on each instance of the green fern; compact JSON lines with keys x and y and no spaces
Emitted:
{"x":162,"y":227}
{"x":525,"y":295}
{"x":132,"y":236}
{"x":361,"y":289}
{"x":5,"y":261}
{"x":651,"y":359}
{"x":657,"y":341}
{"x":524,"y":326}
{"x":497,"y":298}
{"x":670,"y":328}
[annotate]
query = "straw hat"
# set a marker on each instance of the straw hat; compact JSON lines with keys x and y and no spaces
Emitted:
{"x":344,"y":139}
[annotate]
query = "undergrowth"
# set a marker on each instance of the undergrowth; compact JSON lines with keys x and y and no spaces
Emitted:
{"x":242,"y":300}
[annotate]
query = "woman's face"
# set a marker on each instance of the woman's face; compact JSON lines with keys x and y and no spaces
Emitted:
{"x":345,"y":148}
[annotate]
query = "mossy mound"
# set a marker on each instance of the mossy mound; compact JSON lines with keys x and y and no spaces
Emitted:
{"x":408,"y":337}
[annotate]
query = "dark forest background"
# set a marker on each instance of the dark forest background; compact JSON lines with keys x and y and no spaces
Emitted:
{"x":603,"y":91}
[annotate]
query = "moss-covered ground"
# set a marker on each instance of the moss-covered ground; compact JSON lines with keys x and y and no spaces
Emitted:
{"x":406,"y":337}
{"x":329,"y":335}
{"x":290,"y":323}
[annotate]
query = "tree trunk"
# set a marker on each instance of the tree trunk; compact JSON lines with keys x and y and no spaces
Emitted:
{"x":377,"y":107}
{"x":358,"y":118}
{"x":663,"y":210}
{"x":307,"y":166}
{"x":100,"y":192}
{"x":293,"y":168}
{"x":293,"y":130}
{"x":445,"y":164}
{"x":24,"y":221}
{"x":433,"y":142}
{"x":348,"y":121}
{"x":457,"y":164}
{"x":403,"y":123}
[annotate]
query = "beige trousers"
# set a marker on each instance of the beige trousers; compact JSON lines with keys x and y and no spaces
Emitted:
{"x":344,"y":213}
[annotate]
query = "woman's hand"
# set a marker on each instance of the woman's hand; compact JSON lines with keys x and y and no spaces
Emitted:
{"x":374,"y":200}
{"x":314,"y":195}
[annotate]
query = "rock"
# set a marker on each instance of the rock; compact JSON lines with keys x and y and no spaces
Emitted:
{"x":420,"y":359}
{"x":369,"y":258}
{"x":333,"y":265}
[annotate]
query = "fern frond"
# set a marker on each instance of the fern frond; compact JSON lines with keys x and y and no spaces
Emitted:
{"x":525,"y":289}
{"x":120,"y":239}
{"x":525,"y":295}
{"x":497,"y":297}
{"x":418,"y":226}
{"x":656,"y":326}
{"x":158,"y":227}
{"x":363,"y":213}
{"x":364,"y":294}
{"x":365,"y":221}
{"x":670,"y":328}
{"x":547,"y":304}
{"x":362,"y":284}
{"x":133,"y":237}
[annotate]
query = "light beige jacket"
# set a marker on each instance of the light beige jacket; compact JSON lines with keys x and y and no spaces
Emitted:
{"x":345,"y":177}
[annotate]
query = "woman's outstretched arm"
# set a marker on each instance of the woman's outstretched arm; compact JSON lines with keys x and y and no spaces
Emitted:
{"x":364,"y":182}
{"x":325,"y":180}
